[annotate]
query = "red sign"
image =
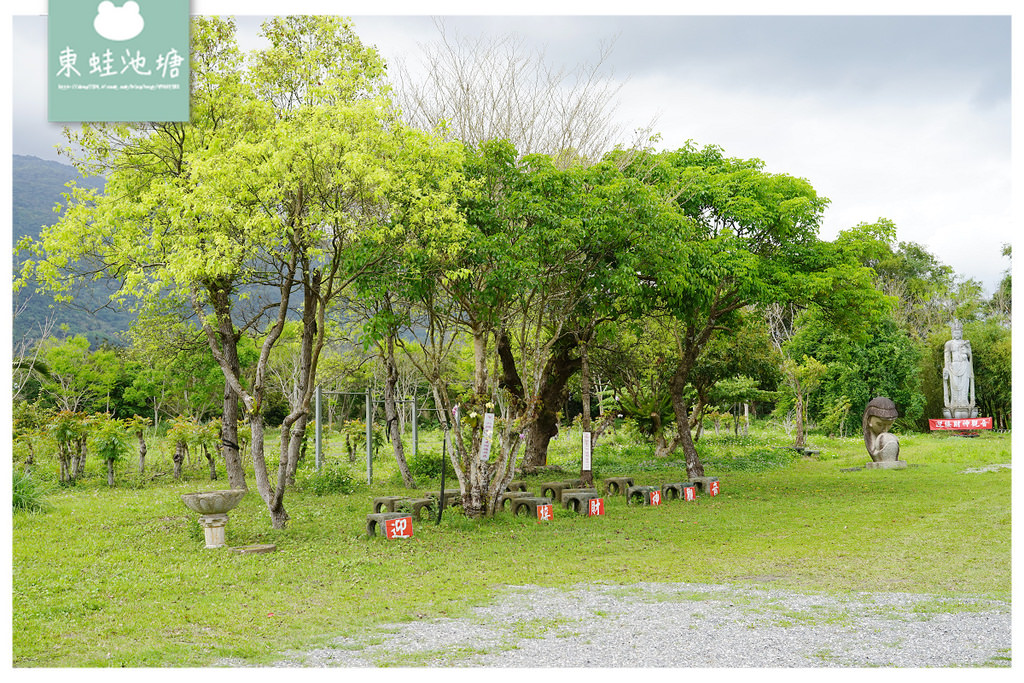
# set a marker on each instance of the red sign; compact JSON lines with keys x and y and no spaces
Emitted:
{"x":713,"y":488}
{"x":398,"y":528}
{"x":596,"y":506}
{"x":689,"y":493}
{"x":545,"y":513}
{"x":962,"y":423}
{"x":655,"y":498}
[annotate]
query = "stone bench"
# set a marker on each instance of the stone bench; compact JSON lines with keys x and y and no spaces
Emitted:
{"x":555,"y":489}
{"x":451,"y":496}
{"x":614,"y":486}
{"x":528,"y":504}
{"x":516,"y":485}
{"x":417,"y":506}
{"x":676,"y":490}
{"x":703,"y":483}
{"x":382,"y":503}
{"x":377,"y":520}
{"x":577,"y":500}
{"x":642,"y":493}
{"x":511,"y":495}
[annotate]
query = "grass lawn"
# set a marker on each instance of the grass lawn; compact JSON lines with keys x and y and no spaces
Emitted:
{"x":120,"y":577}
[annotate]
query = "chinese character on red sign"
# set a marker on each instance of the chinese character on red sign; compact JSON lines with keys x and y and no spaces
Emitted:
{"x":545,"y":513}
{"x":690,"y":493}
{"x":962,"y":423}
{"x":655,"y":498}
{"x":398,"y":528}
{"x":596,"y":506}
{"x":713,"y":488}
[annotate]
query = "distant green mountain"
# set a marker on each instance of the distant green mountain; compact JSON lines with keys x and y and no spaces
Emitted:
{"x":37,"y":187}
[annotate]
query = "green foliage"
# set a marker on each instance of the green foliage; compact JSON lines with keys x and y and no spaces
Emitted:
{"x":650,"y":413}
{"x":29,"y":493}
{"x":757,"y":459}
{"x":110,"y":441}
{"x":879,"y":361}
{"x":427,"y":465}
{"x":992,"y":347}
{"x":333,"y":478}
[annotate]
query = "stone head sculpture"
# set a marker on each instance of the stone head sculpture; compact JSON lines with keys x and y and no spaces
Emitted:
{"x":879,"y":415}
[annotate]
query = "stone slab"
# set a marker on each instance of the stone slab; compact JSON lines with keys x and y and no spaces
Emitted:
{"x":255,"y":549}
{"x":886,"y":465}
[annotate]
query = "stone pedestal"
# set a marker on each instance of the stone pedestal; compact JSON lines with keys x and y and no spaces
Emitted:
{"x":886,"y":465}
{"x":213,"y":528}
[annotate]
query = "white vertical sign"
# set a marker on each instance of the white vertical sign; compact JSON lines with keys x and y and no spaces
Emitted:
{"x":485,"y":445}
{"x":586,"y":450}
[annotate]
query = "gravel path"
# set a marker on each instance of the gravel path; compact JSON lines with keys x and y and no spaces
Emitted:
{"x":688,"y":625}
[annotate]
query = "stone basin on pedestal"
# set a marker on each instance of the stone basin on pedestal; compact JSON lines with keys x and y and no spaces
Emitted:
{"x":213,"y":507}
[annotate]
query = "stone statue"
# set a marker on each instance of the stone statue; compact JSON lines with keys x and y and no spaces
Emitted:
{"x":883,"y":447}
{"x":958,"y":375}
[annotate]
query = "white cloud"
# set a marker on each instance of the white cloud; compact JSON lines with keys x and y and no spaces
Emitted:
{"x":118,"y":23}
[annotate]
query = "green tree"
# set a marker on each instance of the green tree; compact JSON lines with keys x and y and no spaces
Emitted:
{"x":993,"y":352}
{"x":751,"y":241}
{"x":70,"y":431}
{"x":552,"y":252}
{"x":879,"y":359}
{"x":261,"y":205}
{"x":79,"y":378}
{"x":110,"y":443}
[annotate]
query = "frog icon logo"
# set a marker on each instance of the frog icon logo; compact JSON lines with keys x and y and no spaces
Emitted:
{"x":118,"y":23}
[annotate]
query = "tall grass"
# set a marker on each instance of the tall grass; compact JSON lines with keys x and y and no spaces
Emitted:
{"x":29,"y":494}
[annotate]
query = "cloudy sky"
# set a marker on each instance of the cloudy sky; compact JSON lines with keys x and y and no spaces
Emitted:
{"x":906,"y":117}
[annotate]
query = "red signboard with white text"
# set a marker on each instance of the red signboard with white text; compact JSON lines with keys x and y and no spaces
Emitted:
{"x":398,"y":528}
{"x":961,"y":423}
{"x":596,"y":506}
{"x":545,"y":513}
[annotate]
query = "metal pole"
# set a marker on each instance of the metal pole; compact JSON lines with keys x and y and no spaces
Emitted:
{"x":369,"y":439}
{"x":415,"y":434}
{"x":319,"y":435}
{"x":444,"y":467}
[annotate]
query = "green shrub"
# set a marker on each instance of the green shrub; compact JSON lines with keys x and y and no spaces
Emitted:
{"x":756,"y":460}
{"x":332,"y":478}
{"x":427,"y":465}
{"x":29,"y":493}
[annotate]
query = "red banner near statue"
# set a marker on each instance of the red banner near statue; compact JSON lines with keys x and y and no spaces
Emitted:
{"x":961,"y":423}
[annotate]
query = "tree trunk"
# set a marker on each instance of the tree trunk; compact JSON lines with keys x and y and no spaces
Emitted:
{"x":554,"y":385}
{"x":226,"y":351}
{"x":272,"y":496}
{"x":141,"y":436}
{"x":64,"y":454}
{"x":694,"y":467}
{"x":229,"y":439}
{"x":391,"y":412}
{"x":212,"y":462}
{"x":587,"y":474}
{"x":110,"y":473}
{"x":78,"y":459}
{"x":479,"y":361}
{"x":799,"y":409}
{"x":293,"y":436}
{"x":180,"y":449}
